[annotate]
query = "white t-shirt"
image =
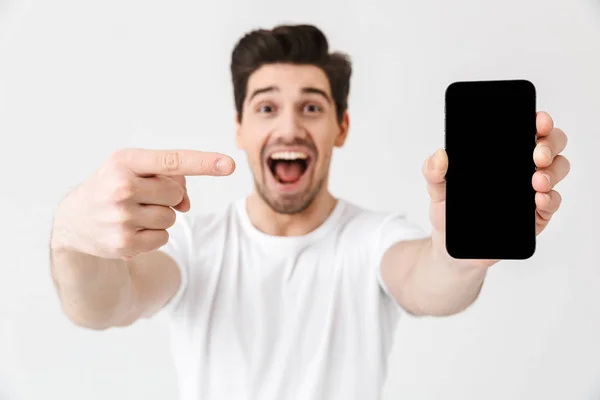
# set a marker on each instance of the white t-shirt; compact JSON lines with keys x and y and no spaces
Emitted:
{"x":273,"y":317}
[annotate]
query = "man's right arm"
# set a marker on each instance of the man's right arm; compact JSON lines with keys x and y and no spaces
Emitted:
{"x":106,"y":264}
{"x":98,"y":293}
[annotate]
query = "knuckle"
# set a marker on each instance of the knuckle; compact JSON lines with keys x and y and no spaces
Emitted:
{"x":119,"y":156}
{"x":170,"y":161}
{"x":123,"y":241}
{"x":122,"y":191}
{"x":112,"y":166}
{"x":204,"y":166}
{"x":123,"y":215}
{"x":115,"y":157}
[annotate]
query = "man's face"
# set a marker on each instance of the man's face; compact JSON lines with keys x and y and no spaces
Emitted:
{"x":288,"y":130}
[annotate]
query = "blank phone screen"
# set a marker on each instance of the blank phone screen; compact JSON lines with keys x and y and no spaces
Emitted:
{"x":490,"y":201}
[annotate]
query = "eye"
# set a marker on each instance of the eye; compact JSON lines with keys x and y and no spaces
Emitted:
{"x":265,"y":109}
{"x":312,"y":108}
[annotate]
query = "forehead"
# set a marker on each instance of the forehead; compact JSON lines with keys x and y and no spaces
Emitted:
{"x":288,"y":78}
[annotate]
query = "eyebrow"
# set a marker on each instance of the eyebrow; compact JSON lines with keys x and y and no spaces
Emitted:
{"x":263,"y":90}
{"x":304,"y":90}
{"x":317,"y":91}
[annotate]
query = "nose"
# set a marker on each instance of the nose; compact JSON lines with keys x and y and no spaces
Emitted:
{"x":290,"y":126}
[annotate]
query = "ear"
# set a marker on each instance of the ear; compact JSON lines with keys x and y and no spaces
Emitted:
{"x":343,"y":134}
{"x":238,"y":131}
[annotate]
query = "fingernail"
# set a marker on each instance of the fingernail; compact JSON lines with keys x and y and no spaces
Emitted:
{"x":546,"y":151}
{"x":547,"y":196}
{"x":548,"y":178}
{"x":224,"y":165}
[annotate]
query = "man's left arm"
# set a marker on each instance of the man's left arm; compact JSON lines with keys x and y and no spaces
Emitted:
{"x":424,"y":283}
{"x":420,"y":274}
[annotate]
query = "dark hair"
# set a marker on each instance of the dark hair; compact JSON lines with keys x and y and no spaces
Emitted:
{"x":294,"y":44}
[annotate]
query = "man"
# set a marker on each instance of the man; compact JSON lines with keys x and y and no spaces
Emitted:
{"x":290,"y":292}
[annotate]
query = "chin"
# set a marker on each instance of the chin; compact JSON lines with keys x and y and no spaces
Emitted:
{"x":289,"y":203}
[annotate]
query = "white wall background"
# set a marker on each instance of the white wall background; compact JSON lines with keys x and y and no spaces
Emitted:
{"x":79,"y":79}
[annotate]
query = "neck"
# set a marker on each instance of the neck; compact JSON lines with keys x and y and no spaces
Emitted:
{"x":265,"y":219}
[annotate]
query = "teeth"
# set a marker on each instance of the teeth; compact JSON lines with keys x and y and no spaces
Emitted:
{"x":289,"y":155}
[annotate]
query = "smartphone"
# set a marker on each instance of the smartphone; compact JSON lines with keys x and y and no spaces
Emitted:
{"x":490,"y":135}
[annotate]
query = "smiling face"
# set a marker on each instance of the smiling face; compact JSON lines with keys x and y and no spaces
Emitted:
{"x":288,"y":130}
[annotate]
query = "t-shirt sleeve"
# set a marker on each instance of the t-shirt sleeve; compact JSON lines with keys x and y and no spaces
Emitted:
{"x":394,"y":229}
{"x":179,"y":248}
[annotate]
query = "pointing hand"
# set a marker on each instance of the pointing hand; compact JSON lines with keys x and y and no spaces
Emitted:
{"x":125,"y":207}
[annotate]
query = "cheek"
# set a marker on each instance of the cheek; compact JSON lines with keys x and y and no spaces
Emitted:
{"x":253,"y":153}
{"x":252,"y":146}
{"x":326,"y":158}
{"x":251,"y":137}
{"x":325,"y":140}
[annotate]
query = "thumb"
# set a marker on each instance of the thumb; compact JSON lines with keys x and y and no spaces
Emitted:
{"x":435,"y":167}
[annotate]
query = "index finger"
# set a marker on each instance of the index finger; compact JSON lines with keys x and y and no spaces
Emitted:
{"x":176,"y":162}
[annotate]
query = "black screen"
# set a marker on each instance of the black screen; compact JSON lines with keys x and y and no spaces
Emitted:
{"x":490,"y":138}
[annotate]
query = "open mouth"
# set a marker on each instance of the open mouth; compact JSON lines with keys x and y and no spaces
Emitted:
{"x":288,"y":167}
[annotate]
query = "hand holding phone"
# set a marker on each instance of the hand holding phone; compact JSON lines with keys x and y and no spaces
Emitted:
{"x":490,"y":200}
{"x":492,"y":187}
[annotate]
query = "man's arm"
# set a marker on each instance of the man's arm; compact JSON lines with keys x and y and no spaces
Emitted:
{"x":422,"y":276}
{"x":105,"y":259}
{"x":424,"y":282}
{"x":98,"y":293}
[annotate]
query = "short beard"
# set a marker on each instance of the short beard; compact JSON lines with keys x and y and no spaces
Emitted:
{"x":294,"y":205}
